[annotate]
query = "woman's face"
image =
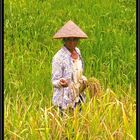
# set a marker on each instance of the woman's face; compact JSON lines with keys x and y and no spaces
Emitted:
{"x":71,"y":43}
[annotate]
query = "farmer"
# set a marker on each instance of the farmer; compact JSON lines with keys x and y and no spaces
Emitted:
{"x":67,"y":69}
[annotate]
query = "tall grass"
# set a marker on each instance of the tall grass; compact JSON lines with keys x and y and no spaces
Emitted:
{"x":109,"y":55}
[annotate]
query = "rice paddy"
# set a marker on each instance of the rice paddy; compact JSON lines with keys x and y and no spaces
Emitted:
{"x":109,"y":55}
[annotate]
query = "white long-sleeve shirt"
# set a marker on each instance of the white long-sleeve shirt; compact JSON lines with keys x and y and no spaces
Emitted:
{"x":63,"y":67}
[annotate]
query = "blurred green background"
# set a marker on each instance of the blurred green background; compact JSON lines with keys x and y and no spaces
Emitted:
{"x":109,"y":53}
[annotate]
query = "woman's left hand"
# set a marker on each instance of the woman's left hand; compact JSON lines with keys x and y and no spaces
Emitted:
{"x":83,"y":85}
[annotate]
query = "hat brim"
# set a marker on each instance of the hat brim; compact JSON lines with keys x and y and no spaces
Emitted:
{"x":69,"y":37}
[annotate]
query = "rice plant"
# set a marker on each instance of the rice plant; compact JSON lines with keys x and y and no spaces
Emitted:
{"x":109,"y":55}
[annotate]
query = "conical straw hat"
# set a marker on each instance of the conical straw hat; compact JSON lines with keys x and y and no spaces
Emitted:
{"x":70,"y":29}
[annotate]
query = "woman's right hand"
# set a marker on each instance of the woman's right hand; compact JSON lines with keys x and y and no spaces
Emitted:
{"x":63,"y":82}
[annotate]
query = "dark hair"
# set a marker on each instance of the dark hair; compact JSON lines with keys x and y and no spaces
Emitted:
{"x":71,"y":38}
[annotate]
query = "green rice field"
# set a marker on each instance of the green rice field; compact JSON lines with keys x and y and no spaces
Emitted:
{"x":109,"y":54}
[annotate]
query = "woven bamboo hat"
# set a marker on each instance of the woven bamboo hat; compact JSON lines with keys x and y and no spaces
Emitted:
{"x":70,"y":29}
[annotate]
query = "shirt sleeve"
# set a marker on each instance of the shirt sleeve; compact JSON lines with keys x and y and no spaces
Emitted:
{"x":56,"y":72}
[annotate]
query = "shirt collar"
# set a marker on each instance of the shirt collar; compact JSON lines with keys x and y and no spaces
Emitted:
{"x":66,"y":51}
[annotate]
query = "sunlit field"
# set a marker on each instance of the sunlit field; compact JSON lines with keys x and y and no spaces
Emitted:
{"x":109,"y":55}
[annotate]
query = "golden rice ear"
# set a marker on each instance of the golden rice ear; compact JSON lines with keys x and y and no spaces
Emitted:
{"x":94,"y":87}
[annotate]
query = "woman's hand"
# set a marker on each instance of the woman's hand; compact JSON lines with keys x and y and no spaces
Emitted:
{"x":83,"y":86}
{"x":83,"y":83}
{"x":63,"y":82}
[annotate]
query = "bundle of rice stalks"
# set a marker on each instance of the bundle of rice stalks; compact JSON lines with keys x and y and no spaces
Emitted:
{"x":93,"y":87}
